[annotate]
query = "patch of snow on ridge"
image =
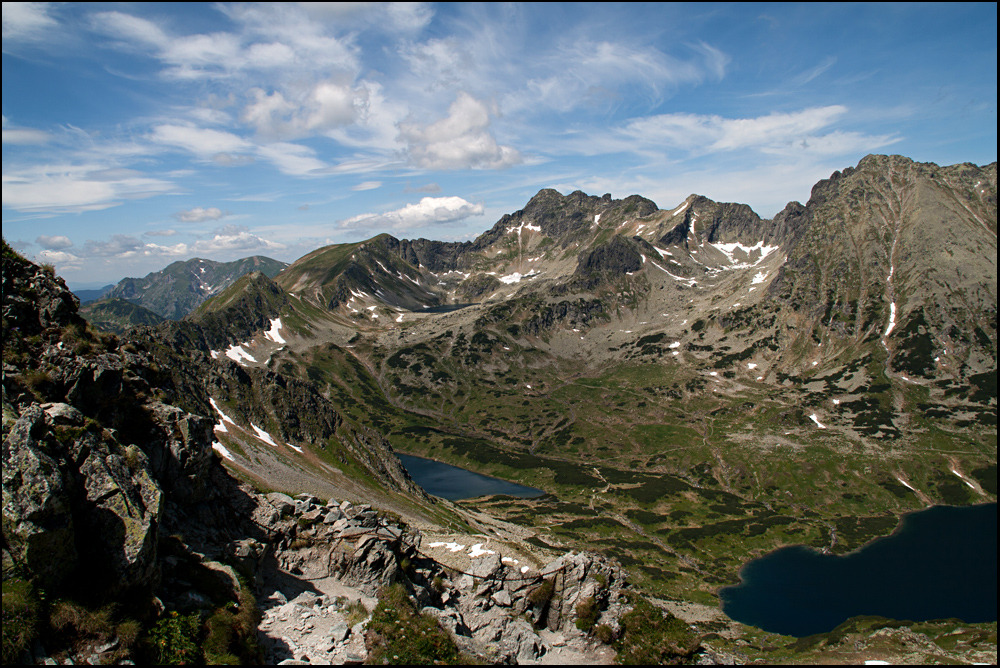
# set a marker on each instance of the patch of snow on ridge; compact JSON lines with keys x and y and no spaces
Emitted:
{"x":759,"y":277}
{"x":681,"y":209}
{"x":729,"y":249}
{"x":273,"y":333}
{"x":236,"y":353}
{"x":221,"y":449}
{"x":219,"y":411}
{"x":214,"y":353}
{"x":533,"y":228}
{"x":816,"y":420}
{"x":478,"y":551}
{"x":597,"y":218}
{"x":263,"y":435}
{"x":400,"y":318}
{"x":906,"y":483}
{"x":517,"y":276}
{"x":453,"y":547}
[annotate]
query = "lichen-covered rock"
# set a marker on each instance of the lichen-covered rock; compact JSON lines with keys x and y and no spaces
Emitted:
{"x":38,"y":523}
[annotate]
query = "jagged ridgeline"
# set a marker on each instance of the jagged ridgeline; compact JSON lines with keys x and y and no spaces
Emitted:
{"x":176,"y":290}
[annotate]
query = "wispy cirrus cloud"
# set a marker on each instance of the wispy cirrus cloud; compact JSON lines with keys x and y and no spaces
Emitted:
{"x":18,"y":135}
{"x":27,"y":21}
{"x":76,"y":188}
{"x":812,"y":131}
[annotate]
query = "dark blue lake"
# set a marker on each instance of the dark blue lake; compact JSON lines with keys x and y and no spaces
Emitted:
{"x":940,"y":562}
{"x":454,"y":483}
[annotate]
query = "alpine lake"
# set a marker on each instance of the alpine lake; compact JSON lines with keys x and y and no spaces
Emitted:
{"x":939,"y":563}
{"x":454,"y":483}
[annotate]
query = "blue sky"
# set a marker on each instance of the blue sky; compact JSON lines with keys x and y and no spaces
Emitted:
{"x":135,"y":135}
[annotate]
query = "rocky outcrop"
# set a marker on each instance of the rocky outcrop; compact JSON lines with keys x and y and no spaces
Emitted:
{"x":618,"y":256}
{"x":66,"y":482}
{"x":492,"y":610}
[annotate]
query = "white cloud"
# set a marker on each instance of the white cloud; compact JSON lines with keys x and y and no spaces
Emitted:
{"x":234,"y":238}
{"x":291,"y":159}
{"x":25,"y":136}
{"x":200,"y":141}
{"x":367,"y":185}
{"x":778,"y":132}
{"x":267,"y":38}
{"x":428,"y":211}
{"x":814,"y":72}
{"x":431,"y":188}
{"x":230,"y":160}
{"x":75,"y":188}
{"x":199,"y":214}
{"x":26,"y":20}
{"x":54,"y":243}
{"x":12,"y":135}
{"x":160,"y":233}
{"x":327,"y":105}
{"x":583,"y":71}
{"x":61,"y":258}
{"x":119,"y":245}
{"x":459,"y":141}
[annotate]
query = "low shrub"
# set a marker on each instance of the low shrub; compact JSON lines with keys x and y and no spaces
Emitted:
{"x":604,"y":633}
{"x":398,"y":634}
{"x":541,"y":594}
{"x":653,"y":637}
{"x":173,"y":640}
{"x":587,"y":612}
{"x":356,"y":612}
{"x":20,"y":618}
{"x":69,"y":617}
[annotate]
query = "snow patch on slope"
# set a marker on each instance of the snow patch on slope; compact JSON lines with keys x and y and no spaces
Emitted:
{"x":236,"y":353}
{"x":263,"y":435}
{"x":274,"y":333}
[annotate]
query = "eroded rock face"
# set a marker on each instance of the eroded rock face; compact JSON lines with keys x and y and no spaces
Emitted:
{"x":38,"y":525}
{"x":74,"y":498}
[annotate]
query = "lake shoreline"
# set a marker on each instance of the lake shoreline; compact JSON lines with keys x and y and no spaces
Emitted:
{"x":789,"y":572}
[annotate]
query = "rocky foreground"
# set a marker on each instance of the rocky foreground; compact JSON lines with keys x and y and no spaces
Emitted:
{"x":331,"y":555}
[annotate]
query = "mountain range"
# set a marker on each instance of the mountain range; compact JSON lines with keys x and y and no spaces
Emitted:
{"x":691,"y":387}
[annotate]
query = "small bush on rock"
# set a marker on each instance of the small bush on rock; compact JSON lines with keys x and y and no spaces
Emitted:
{"x":587,"y":612}
{"x":653,"y":637}
{"x":397,"y":634}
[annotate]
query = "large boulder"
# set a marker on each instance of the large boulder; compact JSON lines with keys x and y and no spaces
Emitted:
{"x":38,"y":527}
{"x":74,"y":498}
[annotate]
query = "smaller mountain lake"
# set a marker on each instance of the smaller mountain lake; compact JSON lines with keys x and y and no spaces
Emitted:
{"x":940,"y":562}
{"x":454,"y":483}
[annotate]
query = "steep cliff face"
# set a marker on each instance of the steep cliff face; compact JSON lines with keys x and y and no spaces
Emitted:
{"x":89,"y":450}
